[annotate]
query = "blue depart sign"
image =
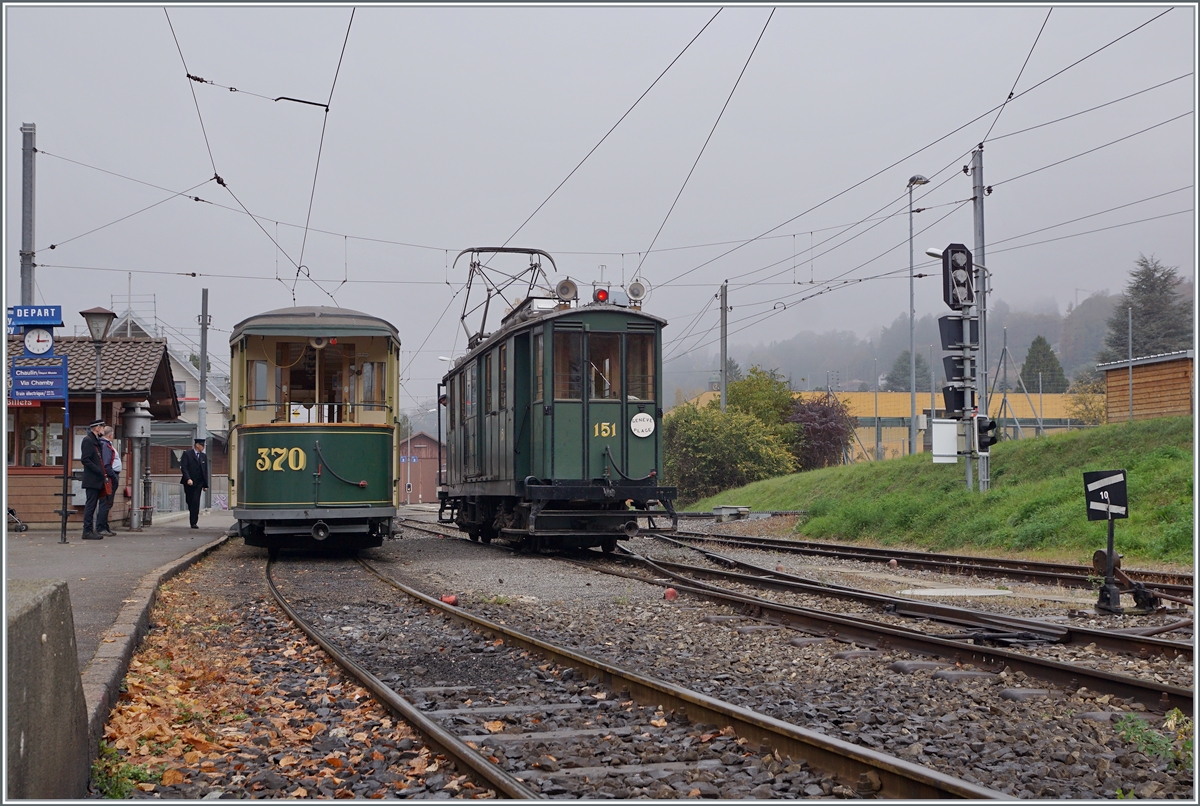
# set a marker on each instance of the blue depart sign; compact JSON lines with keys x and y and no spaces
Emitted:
{"x":21,"y":315}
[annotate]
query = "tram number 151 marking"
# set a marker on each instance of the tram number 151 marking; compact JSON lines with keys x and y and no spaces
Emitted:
{"x":604,"y":429}
{"x":273,"y":459}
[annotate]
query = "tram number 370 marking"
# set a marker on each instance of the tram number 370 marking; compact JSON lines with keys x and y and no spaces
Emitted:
{"x":273,"y":459}
{"x":604,"y":429}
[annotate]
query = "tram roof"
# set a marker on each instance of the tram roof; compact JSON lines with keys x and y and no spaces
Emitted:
{"x":314,"y":320}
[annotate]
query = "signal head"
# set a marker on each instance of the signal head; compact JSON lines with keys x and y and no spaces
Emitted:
{"x":599,"y":294}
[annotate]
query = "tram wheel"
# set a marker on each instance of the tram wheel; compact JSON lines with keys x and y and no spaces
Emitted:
{"x":609,"y":545}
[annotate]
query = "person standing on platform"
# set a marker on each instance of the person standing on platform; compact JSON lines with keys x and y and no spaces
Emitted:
{"x":112,"y":470}
{"x":194,"y":466}
{"x":91,"y":456}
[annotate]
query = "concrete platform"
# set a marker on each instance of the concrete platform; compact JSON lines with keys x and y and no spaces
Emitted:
{"x":102,"y":574}
{"x":112,"y":584}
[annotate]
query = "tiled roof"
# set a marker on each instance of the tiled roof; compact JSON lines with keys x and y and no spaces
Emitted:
{"x":127,"y":366}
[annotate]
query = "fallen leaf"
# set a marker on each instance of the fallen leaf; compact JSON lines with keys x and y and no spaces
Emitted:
{"x":658,"y":723}
{"x":494,"y":727}
{"x":146,"y":787}
{"x":287,"y":761}
{"x":191,"y":757}
{"x":600,"y":695}
{"x":172,"y":777}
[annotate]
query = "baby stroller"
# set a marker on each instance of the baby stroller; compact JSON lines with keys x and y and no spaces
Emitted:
{"x":14,"y":522}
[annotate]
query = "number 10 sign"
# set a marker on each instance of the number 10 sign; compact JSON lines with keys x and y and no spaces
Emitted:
{"x":1106,"y":496}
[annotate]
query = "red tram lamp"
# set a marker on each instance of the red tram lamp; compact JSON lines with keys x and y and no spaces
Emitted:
{"x":599,"y":294}
{"x":98,"y":320}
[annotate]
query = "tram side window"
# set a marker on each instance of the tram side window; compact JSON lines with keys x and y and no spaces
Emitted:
{"x":604,"y":366}
{"x":568,"y":366}
{"x":539,"y":367}
{"x":470,"y":392}
{"x":372,"y":384}
{"x":451,"y":404}
{"x":640,"y":366}
{"x":257,"y":390}
{"x":487,"y":384}
{"x":503,"y":377}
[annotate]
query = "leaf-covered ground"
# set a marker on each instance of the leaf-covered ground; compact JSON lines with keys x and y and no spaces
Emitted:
{"x":226,"y":697}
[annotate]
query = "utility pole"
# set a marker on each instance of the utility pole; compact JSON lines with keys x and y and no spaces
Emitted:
{"x":202,"y":406}
{"x":1131,"y":364}
{"x":981,"y":286}
{"x":724,"y":341}
{"x":878,"y":430}
{"x":28,"y":148}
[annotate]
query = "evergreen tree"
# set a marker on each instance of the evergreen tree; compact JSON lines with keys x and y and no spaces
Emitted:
{"x":1041,"y":359}
{"x":897,"y":378}
{"x":1162,"y":316}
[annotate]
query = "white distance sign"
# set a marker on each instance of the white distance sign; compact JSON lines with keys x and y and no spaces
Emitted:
{"x":642,"y":425}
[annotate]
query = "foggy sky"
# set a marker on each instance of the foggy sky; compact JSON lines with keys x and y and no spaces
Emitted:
{"x":449,"y":126}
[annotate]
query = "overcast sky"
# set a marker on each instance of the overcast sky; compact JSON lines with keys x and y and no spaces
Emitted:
{"x":449,"y":126}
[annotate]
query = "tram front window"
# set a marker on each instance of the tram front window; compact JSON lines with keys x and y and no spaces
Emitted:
{"x":568,"y":369}
{"x":604,"y":366}
{"x":640,"y":368}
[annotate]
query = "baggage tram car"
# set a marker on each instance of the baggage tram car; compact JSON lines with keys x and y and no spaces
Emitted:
{"x":313,"y":441}
{"x":553,"y":432}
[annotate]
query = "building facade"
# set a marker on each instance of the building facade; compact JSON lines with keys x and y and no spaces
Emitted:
{"x":1158,"y":386}
{"x":133,"y":371}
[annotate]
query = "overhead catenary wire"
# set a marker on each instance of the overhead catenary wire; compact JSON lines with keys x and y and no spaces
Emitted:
{"x":614,"y":253}
{"x":614,"y":127}
{"x":1090,"y":109}
{"x":173,"y":195}
{"x":914,"y":153}
{"x":1090,"y":150}
{"x":716,"y":122}
{"x":1020,"y":73}
{"x":195,"y":100}
{"x":320,"y":148}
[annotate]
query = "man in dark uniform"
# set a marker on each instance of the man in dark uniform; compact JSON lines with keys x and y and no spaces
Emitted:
{"x":92,"y":458}
{"x":194,"y":466}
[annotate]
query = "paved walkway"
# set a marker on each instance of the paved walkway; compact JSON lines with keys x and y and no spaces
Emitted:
{"x":102,"y":575}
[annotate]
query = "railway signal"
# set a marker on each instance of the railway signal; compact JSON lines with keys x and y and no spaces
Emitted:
{"x":985,"y":430}
{"x":958,"y":286}
{"x":1107,"y":499}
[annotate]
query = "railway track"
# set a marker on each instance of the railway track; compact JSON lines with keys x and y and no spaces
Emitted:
{"x":858,"y":631}
{"x":636,"y":719}
{"x":1067,"y":575}
{"x":982,"y":627}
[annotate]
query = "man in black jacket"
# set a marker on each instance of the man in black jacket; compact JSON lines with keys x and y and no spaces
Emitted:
{"x":194,"y":466}
{"x":92,"y":458}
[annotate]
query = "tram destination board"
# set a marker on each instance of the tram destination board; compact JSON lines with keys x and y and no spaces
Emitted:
{"x":1106,"y":495}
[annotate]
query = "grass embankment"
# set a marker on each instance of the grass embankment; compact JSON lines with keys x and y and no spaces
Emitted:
{"x":1035,"y":505}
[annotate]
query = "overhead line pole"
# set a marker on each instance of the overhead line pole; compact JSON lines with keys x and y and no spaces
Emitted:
{"x":28,"y":149}
{"x":724,"y":341}
{"x":981,"y":287}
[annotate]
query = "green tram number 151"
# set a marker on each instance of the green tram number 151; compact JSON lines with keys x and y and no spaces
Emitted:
{"x":273,"y":459}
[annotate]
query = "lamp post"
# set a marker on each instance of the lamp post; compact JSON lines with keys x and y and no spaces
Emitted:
{"x":912,"y":312}
{"x":98,"y":321}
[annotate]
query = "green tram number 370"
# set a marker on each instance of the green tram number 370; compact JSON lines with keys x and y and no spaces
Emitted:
{"x":273,"y":459}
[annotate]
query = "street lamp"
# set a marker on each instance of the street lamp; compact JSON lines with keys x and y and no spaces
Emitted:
{"x":98,"y":321}
{"x":917,"y":179}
